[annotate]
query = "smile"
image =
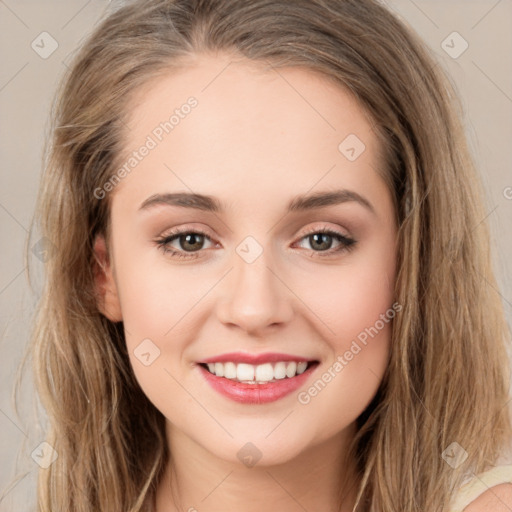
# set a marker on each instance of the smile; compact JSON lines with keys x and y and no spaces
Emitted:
{"x":260,"y":374}
{"x":249,"y":383}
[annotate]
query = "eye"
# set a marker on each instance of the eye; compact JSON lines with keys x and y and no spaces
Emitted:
{"x":321,"y":241}
{"x":192,"y":241}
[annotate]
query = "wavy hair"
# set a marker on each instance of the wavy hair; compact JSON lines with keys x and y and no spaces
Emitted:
{"x":448,"y":375}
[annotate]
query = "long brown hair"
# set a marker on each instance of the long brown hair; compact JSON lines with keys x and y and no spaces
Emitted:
{"x":448,"y":376}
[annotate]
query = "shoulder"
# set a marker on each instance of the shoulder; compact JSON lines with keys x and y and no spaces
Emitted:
{"x":485,"y":491}
{"x":497,"y":499}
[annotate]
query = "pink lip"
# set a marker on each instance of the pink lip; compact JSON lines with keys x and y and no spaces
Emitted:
{"x":256,"y":393}
{"x":243,"y":357}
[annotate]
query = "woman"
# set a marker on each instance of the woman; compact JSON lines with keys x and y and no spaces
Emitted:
{"x":365,"y":373}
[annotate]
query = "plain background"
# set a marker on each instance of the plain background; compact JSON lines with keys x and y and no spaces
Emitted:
{"x":482,"y":75}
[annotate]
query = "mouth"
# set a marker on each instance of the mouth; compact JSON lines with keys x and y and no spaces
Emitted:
{"x":265,"y":382}
{"x":258,"y":374}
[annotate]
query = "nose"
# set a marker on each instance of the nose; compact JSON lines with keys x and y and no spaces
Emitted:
{"x":255,"y":297}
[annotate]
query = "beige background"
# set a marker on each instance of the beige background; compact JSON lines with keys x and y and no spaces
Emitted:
{"x":482,"y":75}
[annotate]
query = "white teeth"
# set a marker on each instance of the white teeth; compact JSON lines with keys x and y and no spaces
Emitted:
{"x":291,"y":369}
{"x":219,"y":369}
{"x":258,"y":374}
{"x":280,"y":370}
{"x":230,"y":371}
{"x":264,"y":372}
{"x":243,"y":371}
{"x":301,"y":367}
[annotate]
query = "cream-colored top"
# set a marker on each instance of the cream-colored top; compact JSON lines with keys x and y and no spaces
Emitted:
{"x":480,"y":483}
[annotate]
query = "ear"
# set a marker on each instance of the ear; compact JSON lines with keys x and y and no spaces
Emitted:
{"x":104,"y":282}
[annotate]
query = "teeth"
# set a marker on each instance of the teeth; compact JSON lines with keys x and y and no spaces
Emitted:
{"x":280,"y":370}
{"x":291,"y":370}
{"x":243,"y":371}
{"x":257,"y":374}
{"x":301,"y":367}
{"x":230,"y":371}
{"x":219,"y":369}
{"x":264,"y":372}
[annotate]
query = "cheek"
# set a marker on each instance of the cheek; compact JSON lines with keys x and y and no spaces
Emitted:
{"x":155,"y":313}
{"x":352,"y":298}
{"x":152,"y":305}
{"x":359,"y":342}
{"x":363,"y":298}
{"x":355,"y":304}
{"x":152,"y":294}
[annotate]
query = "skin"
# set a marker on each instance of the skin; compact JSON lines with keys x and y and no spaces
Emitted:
{"x":255,"y":134}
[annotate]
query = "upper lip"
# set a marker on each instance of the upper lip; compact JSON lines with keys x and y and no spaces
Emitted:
{"x":244,"y":357}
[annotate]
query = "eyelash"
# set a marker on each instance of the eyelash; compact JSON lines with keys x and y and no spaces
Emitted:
{"x":347,"y":244}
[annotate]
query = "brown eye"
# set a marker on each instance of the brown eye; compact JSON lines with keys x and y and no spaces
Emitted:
{"x":321,"y":241}
{"x":184,"y":242}
{"x":190,"y":241}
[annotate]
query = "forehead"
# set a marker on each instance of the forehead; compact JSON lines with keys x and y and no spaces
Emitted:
{"x":222,"y":122}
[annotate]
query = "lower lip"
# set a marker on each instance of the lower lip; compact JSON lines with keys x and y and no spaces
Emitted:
{"x":256,"y":393}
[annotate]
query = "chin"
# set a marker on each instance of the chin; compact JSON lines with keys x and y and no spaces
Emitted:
{"x":256,"y":447}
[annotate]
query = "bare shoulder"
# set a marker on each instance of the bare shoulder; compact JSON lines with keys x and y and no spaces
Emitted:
{"x":497,"y":499}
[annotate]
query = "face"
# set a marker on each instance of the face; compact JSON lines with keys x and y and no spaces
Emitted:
{"x":288,"y":263}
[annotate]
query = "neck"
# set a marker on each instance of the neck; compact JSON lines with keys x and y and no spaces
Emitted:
{"x":319,"y":479}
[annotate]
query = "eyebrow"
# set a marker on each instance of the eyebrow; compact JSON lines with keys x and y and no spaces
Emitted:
{"x":299,"y":203}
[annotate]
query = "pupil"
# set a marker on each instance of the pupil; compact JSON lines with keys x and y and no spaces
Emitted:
{"x":193,"y":238}
{"x":321,"y":236}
